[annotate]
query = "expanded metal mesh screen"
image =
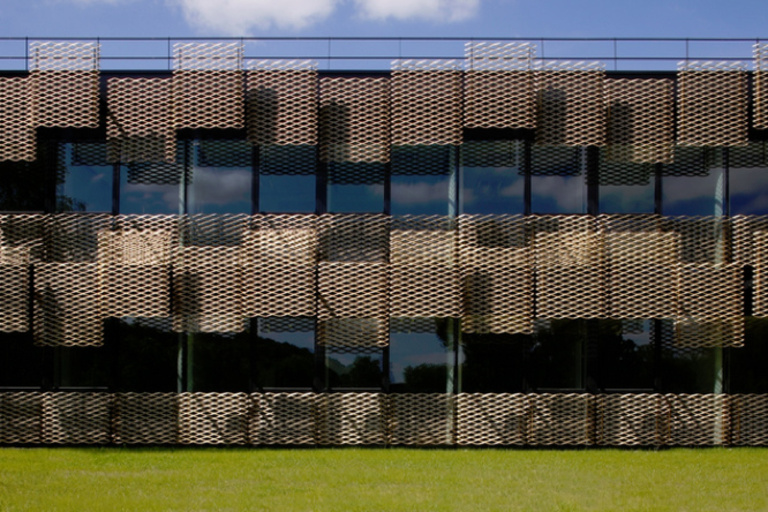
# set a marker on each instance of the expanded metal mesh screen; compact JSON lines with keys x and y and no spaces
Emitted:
{"x":466,"y":419}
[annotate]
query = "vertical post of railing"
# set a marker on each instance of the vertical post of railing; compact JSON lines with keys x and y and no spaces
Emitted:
{"x":615,"y":55}
{"x":26,"y":54}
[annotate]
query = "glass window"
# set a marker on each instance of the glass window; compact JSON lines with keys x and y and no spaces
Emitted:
{"x":24,"y":185}
{"x":492,"y":179}
{"x":494,"y":363}
{"x":689,"y":369}
{"x":625,"y":354}
{"x":748,"y":363}
{"x":148,"y":354}
{"x":151,"y":188}
{"x":626,"y":187}
{"x":85,"y":178}
{"x":20,"y":361}
{"x":220,"y":178}
{"x":695,"y":183}
{"x":218,"y":362}
{"x":557,"y":356}
{"x":82,"y":367}
{"x":422,"y":180}
{"x":558,"y":182}
{"x":353,"y":368}
{"x":748,"y":183}
{"x":287,"y":182}
{"x":421,"y":357}
{"x":356,"y":187}
{"x":285,"y":353}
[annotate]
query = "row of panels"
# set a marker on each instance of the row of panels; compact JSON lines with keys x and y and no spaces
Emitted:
{"x":381,"y":419}
{"x":211,"y":273}
{"x":356,"y":119}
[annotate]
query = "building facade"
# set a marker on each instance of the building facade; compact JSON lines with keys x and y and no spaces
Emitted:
{"x":495,"y":250}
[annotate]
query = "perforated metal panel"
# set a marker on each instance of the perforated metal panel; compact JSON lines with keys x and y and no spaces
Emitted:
{"x":712,"y":104}
{"x":697,"y":419}
{"x":282,"y":102}
{"x":642,"y":262}
{"x":562,"y":419}
{"x":496,"y":274}
{"x":749,"y":419}
{"x":64,"y":84}
{"x":21,"y":418}
{"x":499,"y":85}
{"x":14,"y":288}
{"x":279,"y":256}
{"x":760,"y":87}
{"x":66,"y":309}
{"x":759,"y":259}
{"x":570,"y":109}
{"x":213,"y":418}
{"x":134,"y":271}
{"x":426,"y":102}
{"x":424,"y":271}
{"x":17,"y":132}
{"x":146,"y":418}
{"x":711,"y":306}
{"x":285,"y":419}
{"x":353,"y":418}
{"x":570,"y":267}
{"x":207,"y":274}
{"x":640,"y":120}
{"x":492,"y":418}
{"x":140,"y":124}
{"x":77,"y":418}
{"x":208,"y":85}
{"x":354,"y":119}
{"x":631,"y":420}
{"x":422,"y":419}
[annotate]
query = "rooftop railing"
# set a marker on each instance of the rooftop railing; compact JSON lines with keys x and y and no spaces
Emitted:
{"x":376,"y":53}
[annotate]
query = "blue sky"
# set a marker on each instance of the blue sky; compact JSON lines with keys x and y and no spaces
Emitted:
{"x":479,"y":18}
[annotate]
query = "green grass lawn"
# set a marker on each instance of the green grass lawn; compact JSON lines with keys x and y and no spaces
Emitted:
{"x":86,"y":479}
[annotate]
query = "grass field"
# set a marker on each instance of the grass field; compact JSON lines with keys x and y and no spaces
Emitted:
{"x":87,"y":479}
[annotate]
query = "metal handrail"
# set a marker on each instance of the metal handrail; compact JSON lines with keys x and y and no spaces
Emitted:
{"x":621,"y":53}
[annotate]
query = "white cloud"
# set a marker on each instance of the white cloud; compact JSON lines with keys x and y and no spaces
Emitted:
{"x":435,"y":10}
{"x":240,"y":17}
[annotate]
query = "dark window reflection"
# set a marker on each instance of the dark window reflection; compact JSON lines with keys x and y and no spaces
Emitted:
{"x":285,"y":352}
{"x":20,"y":361}
{"x":287,"y":178}
{"x":420,"y":357}
{"x":287,"y":194}
{"x":354,"y":369}
{"x":148,"y":355}
{"x":626,"y":187}
{"x":494,"y":363}
{"x":24,"y":185}
{"x":557,"y":357}
{"x":749,"y":364}
{"x":82,"y":367}
{"x":151,"y":188}
{"x":626,"y":354}
{"x":218,"y":362}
